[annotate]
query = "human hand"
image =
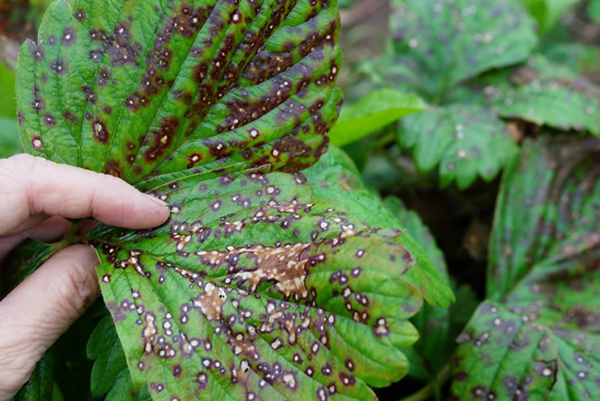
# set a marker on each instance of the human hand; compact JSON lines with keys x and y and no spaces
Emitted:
{"x":36,"y":196}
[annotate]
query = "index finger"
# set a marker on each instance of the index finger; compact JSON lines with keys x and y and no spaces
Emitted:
{"x":31,"y":187}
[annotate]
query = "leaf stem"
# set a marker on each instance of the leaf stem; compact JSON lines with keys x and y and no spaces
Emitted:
{"x":431,"y":389}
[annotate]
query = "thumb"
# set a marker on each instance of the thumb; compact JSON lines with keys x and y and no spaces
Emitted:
{"x":36,"y":313}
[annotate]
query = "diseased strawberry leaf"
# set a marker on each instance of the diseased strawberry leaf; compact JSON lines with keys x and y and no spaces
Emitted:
{"x":255,"y":288}
{"x":440,"y":44}
{"x":546,"y":211}
{"x":431,"y":352}
{"x":143,"y":89}
{"x":336,"y":177}
{"x":466,"y":141}
{"x":546,"y":93}
{"x":544,"y":340}
{"x":504,"y":356}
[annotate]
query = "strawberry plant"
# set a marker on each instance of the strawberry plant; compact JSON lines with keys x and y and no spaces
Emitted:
{"x":291,"y":268}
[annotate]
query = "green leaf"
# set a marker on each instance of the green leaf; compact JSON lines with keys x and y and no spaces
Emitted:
{"x":123,"y":390}
{"x":371,"y":113}
{"x":40,"y":385}
{"x":546,"y":93}
{"x":143,"y":89}
{"x":503,"y":356}
{"x":22,"y":262}
{"x":594,"y":10}
{"x":440,"y":44}
{"x":547,"y":12}
{"x":545,"y":212}
{"x":8,"y":106}
{"x":335,"y":177}
{"x":104,"y":347}
{"x":9,"y":138}
{"x":110,"y":373}
{"x":255,"y":287}
{"x":431,"y":353}
{"x":577,"y":57}
{"x":466,"y":141}
{"x":545,"y":338}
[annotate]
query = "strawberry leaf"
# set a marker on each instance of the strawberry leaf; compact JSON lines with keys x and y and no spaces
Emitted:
{"x":431,"y":352}
{"x":254,"y":289}
{"x":466,"y":141}
{"x":544,"y":340}
{"x":187,"y":88}
{"x":336,"y":177}
{"x":104,"y":347}
{"x":440,"y":44}
{"x":546,"y":93}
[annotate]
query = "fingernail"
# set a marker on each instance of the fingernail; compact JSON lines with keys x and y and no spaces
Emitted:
{"x":158,"y":201}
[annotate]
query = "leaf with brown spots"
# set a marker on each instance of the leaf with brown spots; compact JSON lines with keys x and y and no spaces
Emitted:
{"x":336,"y":177}
{"x":546,"y":93}
{"x":145,"y":89}
{"x":544,"y":340}
{"x":255,"y":289}
{"x":462,"y":141}
{"x":439,"y":44}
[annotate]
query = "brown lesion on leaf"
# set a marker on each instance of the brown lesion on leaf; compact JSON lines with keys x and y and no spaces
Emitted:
{"x":162,"y":138}
{"x":149,"y":332}
{"x":49,"y":120}
{"x":211,"y":301}
{"x":286,"y":266}
{"x":133,"y":260}
{"x":113,"y":167}
{"x":59,"y":66}
{"x":100,"y":132}
{"x":36,"y":143}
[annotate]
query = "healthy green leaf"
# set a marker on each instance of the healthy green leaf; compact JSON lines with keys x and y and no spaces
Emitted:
{"x":123,"y":390}
{"x":371,"y":113}
{"x":143,"y":89}
{"x":466,"y":141}
{"x":547,"y":12}
{"x":255,"y":288}
{"x":546,"y":93}
{"x":544,"y":340}
{"x":9,"y":138}
{"x":104,"y":347}
{"x":8,"y":105}
{"x":594,"y":10}
{"x":110,"y":373}
{"x":439,"y":44}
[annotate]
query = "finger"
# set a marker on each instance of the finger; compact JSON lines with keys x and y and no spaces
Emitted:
{"x":31,"y":186}
{"x":49,"y":231}
{"x":36,"y":313}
